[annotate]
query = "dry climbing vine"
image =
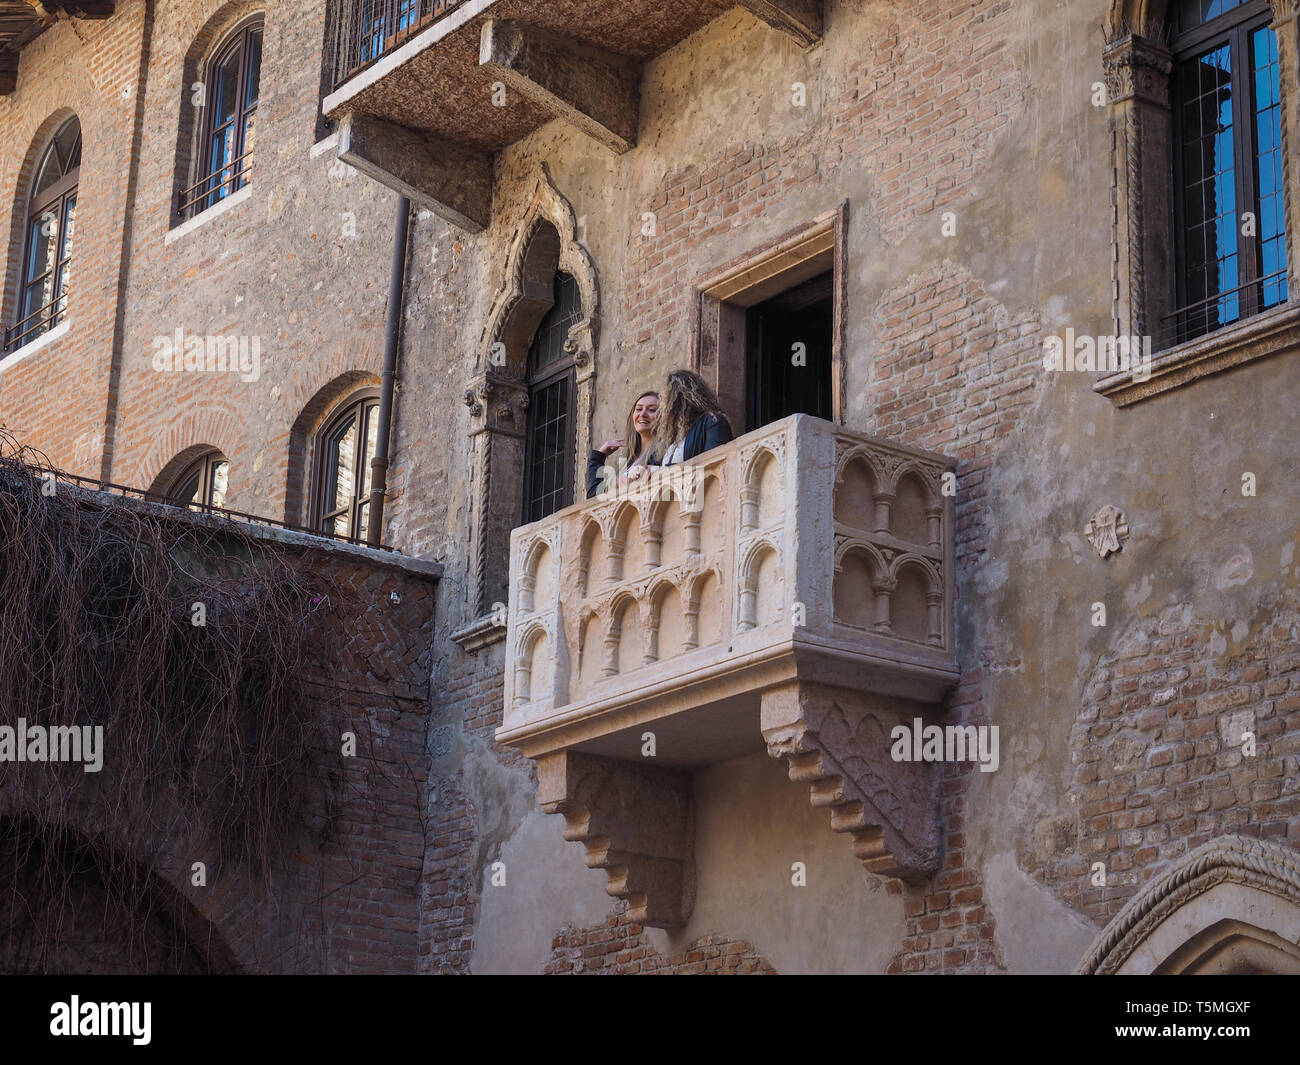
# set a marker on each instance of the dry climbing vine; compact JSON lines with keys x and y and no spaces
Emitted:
{"x":211,"y":740}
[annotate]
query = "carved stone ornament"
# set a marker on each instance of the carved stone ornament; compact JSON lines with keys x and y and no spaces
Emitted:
{"x":1106,"y":531}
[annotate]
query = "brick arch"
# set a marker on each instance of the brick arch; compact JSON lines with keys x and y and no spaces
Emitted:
{"x":206,"y":27}
{"x":206,"y":926}
{"x":313,"y":413}
{"x":162,"y":484}
{"x":222,"y":428}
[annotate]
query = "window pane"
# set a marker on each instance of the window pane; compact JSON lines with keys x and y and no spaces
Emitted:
{"x":225,"y":85}
{"x":1193,"y":13}
{"x":254,"y":68}
{"x":343,"y":457}
{"x":372,"y":425}
{"x":191,"y":489}
{"x":1268,"y":172}
{"x":1210,"y":265}
{"x":43,"y":235}
{"x":220,"y":482}
{"x":69,"y":234}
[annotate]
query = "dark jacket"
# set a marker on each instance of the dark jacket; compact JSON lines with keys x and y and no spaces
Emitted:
{"x":708,"y":432}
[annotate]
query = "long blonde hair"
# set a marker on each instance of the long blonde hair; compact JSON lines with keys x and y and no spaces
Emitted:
{"x":689,"y":398}
{"x":632,"y":440}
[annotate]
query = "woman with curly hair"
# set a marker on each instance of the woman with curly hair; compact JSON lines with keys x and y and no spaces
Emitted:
{"x":691,"y":421}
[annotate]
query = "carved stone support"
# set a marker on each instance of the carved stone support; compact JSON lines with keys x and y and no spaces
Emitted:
{"x":1137,"y":89}
{"x":801,"y":19}
{"x":636,"y":822}
{"x":452,"y":181}
{"x":838,"y":742}
{"x":595,"y":91}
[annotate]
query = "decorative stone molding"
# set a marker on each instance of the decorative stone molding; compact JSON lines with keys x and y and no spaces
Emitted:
{"x":637,"y":822}
{"x":545,"y":240}
{"x":838,"y":743}
{"x":1137,"y":87}
{"x":1106,"y":531}
{"x":1268,"y":867}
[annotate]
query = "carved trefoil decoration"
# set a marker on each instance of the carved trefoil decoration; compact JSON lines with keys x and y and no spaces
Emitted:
{"x":1106,"y":531}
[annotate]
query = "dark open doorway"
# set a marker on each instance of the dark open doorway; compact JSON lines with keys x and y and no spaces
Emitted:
{"x":788,"y":349}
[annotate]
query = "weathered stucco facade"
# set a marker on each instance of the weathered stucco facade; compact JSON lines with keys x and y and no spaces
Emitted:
{"x":955,"y":169}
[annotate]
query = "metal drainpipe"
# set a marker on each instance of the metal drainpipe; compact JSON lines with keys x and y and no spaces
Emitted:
{"x":388,"y":380}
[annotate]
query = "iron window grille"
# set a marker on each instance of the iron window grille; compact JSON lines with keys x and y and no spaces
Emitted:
{"x":552,"y":386}
{"x":1229,"y":199}
{"x":365,"y":31}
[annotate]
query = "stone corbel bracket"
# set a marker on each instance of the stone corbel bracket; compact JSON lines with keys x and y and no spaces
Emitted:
{"x":636,"y":822}
{"x":838,"y":743}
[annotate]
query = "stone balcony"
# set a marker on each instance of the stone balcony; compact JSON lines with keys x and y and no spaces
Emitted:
{"x":425,"y":91}
{"x":789,"y":592}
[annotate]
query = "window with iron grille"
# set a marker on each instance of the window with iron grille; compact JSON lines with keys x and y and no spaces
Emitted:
{"x":51,"y":231}
{"x":548,"y":443}
{"x":230,"y":96}
{"x":344,"y":449}
{"x":1228,"y":183}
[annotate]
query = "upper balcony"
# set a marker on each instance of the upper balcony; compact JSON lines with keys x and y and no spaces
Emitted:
{"x":791,"y":591}
{"x":425,"y":91}
{"x":22,"y":21}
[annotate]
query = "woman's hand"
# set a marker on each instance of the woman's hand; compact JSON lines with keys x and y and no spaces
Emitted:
{"x":609,"y":447}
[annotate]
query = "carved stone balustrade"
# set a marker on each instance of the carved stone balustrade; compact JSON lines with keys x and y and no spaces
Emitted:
{"x":791,"y":591}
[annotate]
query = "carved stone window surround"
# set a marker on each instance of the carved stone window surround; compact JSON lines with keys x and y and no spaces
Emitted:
{"x":1138,"y":67}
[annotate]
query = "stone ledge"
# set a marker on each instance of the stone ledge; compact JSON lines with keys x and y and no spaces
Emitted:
{"x":385,"y":559}
{"x":1270,"y":333}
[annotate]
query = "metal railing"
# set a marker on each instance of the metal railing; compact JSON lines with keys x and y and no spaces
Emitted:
{"x":364,"y":31}
{"x":211,"y":190}
{"x":35,"y":324}
{"x":1208,"y":315}
{"x":127,"y":492}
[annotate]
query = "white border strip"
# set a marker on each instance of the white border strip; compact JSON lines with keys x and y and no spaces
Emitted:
{"x":33,"y":346}
{"x":233,"y":200}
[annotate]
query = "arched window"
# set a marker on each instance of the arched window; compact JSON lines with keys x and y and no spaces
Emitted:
{"x":202,"y":483}
{"x":230,"y":90}
{"x":548,"y":442}
{"x":344,"y":448}
{"x":1229,"y":200}
{"x":51,"y":230}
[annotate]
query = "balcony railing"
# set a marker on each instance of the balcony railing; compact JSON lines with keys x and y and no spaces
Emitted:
{"x":364,"y":31}
{"x":800,"y":551}
{"x":207,"y":192}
